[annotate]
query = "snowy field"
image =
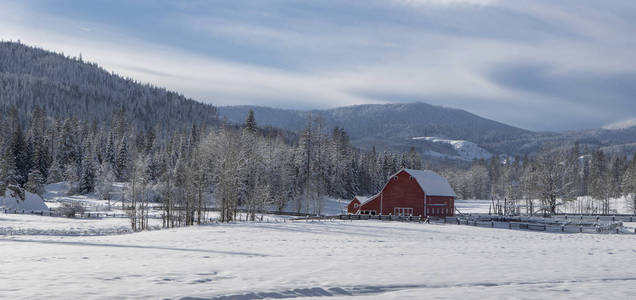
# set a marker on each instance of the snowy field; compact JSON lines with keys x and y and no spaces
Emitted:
{"x":18,"y":224}
{"x":619,"y":205}
{"x":363,"y":259}
{"x":473,"y":206}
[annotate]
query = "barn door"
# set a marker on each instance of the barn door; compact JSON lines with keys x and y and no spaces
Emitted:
{"x":403,"y":211}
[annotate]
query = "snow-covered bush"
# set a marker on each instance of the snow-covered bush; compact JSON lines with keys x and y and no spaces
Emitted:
{"x":70,"y":209}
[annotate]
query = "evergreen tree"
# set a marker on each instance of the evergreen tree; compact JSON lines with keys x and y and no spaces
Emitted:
{"x":250,"y":121}
{"x":123,"y":161}
{"x":56,"y":172}
{"x":36,"y":182}
{"x":111,"y":153}
{"x":20,"y":156}
{"x":87,"y":179}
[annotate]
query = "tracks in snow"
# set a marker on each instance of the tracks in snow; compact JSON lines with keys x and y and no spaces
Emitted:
{"x":374,"y":290}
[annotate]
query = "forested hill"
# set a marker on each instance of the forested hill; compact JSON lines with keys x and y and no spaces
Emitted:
{"x":69,"y":87}
{"x":389,"y":126}
{"x":393,"y":127}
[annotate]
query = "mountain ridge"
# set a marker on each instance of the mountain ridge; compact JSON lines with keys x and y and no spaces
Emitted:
{"x":69,"y":87}
{"x":393,"y":125}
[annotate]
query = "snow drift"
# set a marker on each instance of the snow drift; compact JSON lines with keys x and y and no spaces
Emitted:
{"x":18,"y":198}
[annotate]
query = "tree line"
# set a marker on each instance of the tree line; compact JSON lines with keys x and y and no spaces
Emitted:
{"x":251,"y":169}
{"x":566,"y":179}
{"x":186,"y":171}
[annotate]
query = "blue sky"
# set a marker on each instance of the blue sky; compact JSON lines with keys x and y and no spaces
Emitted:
{"x":537,"y":64}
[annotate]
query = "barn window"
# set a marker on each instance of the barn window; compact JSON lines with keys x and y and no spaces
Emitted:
{"x":411,"y":178}
{"x":355,"y":205}
{"x":395,"y":178}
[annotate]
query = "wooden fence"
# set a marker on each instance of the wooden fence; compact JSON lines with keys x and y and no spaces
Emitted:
{"x":578,"y":224}
{"x":52,"y":213}
{"x":378,"y":217}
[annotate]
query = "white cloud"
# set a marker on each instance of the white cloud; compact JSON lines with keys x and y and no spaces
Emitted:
{"x":342,"y":65}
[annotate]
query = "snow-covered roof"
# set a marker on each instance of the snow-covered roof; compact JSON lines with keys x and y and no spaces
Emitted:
{"x":362,"y":198}
{"x":366,"y":198}
{"x":432,"y":183}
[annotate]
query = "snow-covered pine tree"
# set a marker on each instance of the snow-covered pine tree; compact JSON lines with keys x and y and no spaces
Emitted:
{"x":56,"y":172}
{"x":35,"y":184}
{"x":250,"y":122}
{"x":87,"y":180}
{"x":111,"y":154}
{"x":21,"y":156}
{"x":122,"y":163}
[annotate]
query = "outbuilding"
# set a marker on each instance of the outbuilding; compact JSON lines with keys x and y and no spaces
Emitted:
{"x":409,"y":193}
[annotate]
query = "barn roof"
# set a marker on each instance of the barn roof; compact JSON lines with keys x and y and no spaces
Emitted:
{"x":362,"y":198}
{"x":366,"y":199}
{"x":432,"y":183}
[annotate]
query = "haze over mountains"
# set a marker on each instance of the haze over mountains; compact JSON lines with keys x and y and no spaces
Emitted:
{"x":70,"y":87}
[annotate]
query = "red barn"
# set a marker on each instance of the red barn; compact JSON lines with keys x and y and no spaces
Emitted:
{"x":409,"y":193}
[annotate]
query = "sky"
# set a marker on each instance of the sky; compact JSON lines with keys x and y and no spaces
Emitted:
{"x":536,"y":64}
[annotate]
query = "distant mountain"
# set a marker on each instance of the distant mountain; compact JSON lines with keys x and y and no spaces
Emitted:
{"x":70,"y":87}
{"x":393,"y":127}
{"x":389,"y":126}
{"x":465,"y":150}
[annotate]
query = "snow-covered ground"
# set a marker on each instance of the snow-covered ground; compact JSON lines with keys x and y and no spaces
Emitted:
{"x":466,"y":150}
{"x":473,"y":206}
{"x":18,"y":224}
{"x":57,"y":193}
{"x":331,"y":207}
{"x":31,"y":202}
{"x":58,"y":258}
{"x":618,"y":205}
{"x":364,"y":259}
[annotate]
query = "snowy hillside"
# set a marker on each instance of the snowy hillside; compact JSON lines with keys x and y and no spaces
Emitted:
{"x":69,"y":87}
{"x":466,"y":150}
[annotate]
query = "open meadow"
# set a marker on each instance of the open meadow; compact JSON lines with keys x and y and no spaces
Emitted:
{"x":91,"y":259}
